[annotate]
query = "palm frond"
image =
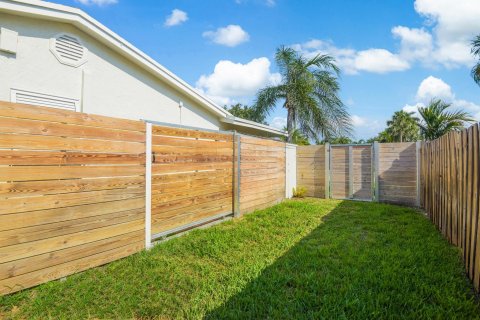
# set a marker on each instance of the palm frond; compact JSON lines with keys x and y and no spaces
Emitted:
{"x":267,"y":99}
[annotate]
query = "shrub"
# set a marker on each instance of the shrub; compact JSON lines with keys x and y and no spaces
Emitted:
{"x":299,"y":192}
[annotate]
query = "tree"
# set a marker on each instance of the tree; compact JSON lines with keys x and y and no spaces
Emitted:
{"x":309,"y":92}
{"x":476,"y":52}
{"x":437,"y":121}
{"x":246,"y":112}
{"x":382,"y":137}
{"x":298,"y":138}
{"x":340,"y":140}
{"x":403,"y":127}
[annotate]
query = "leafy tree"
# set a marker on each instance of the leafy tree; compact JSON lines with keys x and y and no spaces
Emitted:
{"x":246,"y":112}
{"x":340,"y":140}
{"x":403,"y":127}
{"x":476,"y":52}
{"x":298,"y":138}
{"x":309,"y":91}
{"x":437,"y":121}
{"x":382,"y":137}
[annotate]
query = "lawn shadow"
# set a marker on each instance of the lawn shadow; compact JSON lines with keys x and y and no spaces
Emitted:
{"x":362,"y":262}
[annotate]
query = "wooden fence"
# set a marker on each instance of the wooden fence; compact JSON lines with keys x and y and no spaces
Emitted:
{"x":311,"y":172}
{"x":399,"y":173}
{"x":74,"y":192}
{"x":192,"y":177}
{"x":386,"y":172}
{"x":262,"y":178}
{"x":449,"y":193}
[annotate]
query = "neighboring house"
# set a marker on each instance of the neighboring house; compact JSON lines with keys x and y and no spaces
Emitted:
{"x":59,"y":56}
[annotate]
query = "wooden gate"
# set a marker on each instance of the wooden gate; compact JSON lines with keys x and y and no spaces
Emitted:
{"x":351,"y":172}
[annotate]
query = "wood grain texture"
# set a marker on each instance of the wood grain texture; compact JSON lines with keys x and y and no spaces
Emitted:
{"x":72,"y":189}
{"x":311,"y":170}
{"x":450,"y":167}
{"x":262,"y":167}
{"x":192,"y":176}
{"x":397,"y":173}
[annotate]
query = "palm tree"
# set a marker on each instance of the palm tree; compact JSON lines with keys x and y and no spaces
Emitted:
{"x":436,"y":121}
{"x":476,"y":52}
{"x":298,"y":138}
{"x":309,"y":91}
{"x":403,"y":127}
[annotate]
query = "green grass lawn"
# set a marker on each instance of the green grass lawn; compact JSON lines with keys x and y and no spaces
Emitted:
{"x":305,"y":259}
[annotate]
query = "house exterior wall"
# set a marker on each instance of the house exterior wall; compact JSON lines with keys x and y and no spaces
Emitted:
{"x":107,"y":84}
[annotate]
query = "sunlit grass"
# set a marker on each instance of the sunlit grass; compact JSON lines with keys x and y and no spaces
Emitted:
{"x":301,"y":259}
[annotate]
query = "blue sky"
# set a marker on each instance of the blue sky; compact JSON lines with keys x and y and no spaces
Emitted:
{"x":394,"y":54}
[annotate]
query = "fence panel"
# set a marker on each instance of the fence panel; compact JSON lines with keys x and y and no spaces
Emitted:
{"x":262,"y":177}
{"x":192,"y":177}
{"x":311,"y":169}
{"x":397,"y":173}
{"x":72,"y":192}
{"x":387,"y":172}
{"x":450,"y":169}
{"x":362,"y":172}
{"x":339,"y":172}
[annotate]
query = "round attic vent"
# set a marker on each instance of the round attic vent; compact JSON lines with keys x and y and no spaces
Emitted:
{"x":68,"y":50}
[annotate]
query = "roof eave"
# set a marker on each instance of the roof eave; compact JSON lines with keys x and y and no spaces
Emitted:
{"x":236,"y":121}
{"x":83,"y":21}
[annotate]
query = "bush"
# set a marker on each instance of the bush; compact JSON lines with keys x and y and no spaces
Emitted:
{"x":299,"y":192}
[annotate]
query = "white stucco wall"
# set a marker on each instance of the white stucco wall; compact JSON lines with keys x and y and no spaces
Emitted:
{"x":107,"y":84}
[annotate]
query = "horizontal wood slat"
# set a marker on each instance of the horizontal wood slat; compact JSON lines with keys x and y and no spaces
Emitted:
{"x":192,"y":176}
{"x":262,"y":177}
{"x":397,"y":169}
{"x":23,"y":111}
{"x":72,"y":188}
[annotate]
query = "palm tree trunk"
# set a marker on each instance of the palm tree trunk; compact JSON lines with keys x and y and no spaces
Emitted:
{"x":290,"y":124}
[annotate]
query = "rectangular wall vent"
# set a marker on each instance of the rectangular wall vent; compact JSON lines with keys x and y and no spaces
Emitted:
{"x":45,"y":100}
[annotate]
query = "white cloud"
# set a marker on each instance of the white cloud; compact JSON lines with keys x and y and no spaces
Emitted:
{"x":379,"y":61}
{"x":230,"y":36}
{"x":432,"y":87}
{"x":352,"y":61}
{"x":97,"y":2}
{"x":358,"y":121}
{"x":278,"y":122}
{"x":413,"y":108}
{"x":230,"y":81}
{"x":414,"y":43}
{"x":366,"y":127}
{"x":454,"y":24}
{"x":449,"y":27}
{"x":176,"y":18}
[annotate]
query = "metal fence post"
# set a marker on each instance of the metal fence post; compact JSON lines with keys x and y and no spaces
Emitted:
{"x":327,"y":170}
{"x":375,"y":171}
{"x":148,"y":186}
